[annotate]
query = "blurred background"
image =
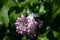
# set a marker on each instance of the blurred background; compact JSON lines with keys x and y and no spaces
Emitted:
{"x":48,"y":11}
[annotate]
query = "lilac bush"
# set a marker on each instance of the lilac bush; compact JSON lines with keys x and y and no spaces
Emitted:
{"x":42,"y":24}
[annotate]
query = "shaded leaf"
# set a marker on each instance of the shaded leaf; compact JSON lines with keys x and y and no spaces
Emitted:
{"x":56,"y":34}
{"x":6,"y":38}
{"x":55,"y":8}
{"x":13,"y":15}
{"x":24,"y":38}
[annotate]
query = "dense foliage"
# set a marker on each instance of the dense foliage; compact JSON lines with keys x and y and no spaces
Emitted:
{"x":48,"y":11}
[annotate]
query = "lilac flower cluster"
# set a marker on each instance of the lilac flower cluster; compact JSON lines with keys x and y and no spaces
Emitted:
{"x":26,"y":25}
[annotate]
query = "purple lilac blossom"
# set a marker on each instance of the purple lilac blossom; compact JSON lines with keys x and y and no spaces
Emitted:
{"x":40,"y":22}
{"x":26,"y":25}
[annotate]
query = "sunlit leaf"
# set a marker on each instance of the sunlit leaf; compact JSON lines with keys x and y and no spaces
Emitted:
{"x":4,"y":15}
{"x":42,"y":10}
{"x":4,"y":12}
{"x":42,"y":38}
{"x":10,"y":3}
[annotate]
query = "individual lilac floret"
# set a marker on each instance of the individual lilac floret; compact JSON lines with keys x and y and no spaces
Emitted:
{"x":26,"y":25}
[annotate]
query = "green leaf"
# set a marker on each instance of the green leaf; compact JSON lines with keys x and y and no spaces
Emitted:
{"x":6,"y":38}
{"x":33,"y":1}
{"x":1,"y":23}
{"x":42,"y":10}
{"x":56,"y":34}
{"x":4,"y":12}
{"x":55,"y":6}
{"x":24,"y":38}
{"x":41,"y":37}
{"x":13,"y":16}
{"x":44,"y":35}
{"x":56,"y":13}
{"x":10,"y":3}
{"x":4,"y":15}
